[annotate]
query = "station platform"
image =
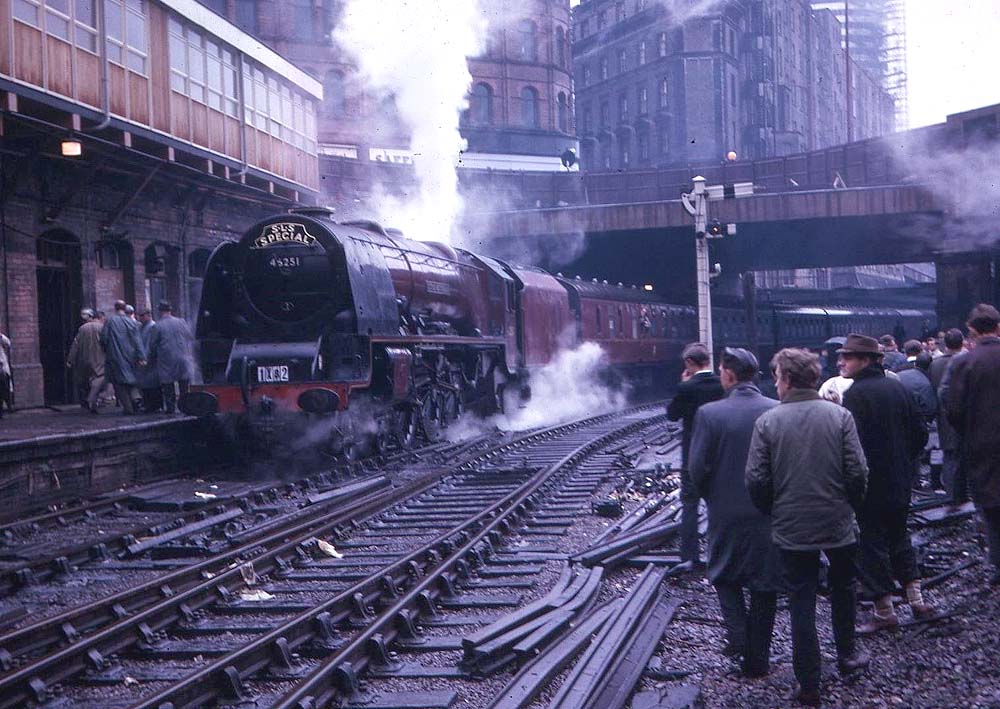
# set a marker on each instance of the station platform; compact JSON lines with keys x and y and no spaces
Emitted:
{"x":51,"y":455}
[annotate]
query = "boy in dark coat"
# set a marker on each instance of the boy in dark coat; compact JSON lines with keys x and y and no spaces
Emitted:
{"x":893,"y":435}
{"x":698,"y":386}
{"x":741,"y":555}
{"x":973,"y":407}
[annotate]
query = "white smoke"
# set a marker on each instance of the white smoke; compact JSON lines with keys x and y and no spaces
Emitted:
{"x":965,"y":181}
{"x":573,"y":385}
{"x":683,"y":10}
{"x":416,"y":52}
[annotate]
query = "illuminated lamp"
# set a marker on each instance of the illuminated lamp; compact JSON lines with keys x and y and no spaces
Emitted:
{"x":648,"y":286}
{"x":319,"y":401}
{"x":731,"y":156}
{"x":71,"y":148}
{"x":199,"y":403}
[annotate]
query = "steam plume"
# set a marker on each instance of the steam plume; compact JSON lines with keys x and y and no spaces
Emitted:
{"x":416,"y":52}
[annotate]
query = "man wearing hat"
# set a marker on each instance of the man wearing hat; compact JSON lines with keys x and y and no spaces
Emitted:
{"x":170,"y":348}
{"x":741,"y":555}
{"x":893,"y":435}
{"x":86,"y":359}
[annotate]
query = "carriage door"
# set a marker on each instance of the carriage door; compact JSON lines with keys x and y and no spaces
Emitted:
{"x":58,"y":279}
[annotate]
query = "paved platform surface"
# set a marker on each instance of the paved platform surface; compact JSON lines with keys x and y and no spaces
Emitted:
{"x":29,"y":424}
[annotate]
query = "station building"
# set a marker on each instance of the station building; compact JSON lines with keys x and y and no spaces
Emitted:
{"x":135,"y":136}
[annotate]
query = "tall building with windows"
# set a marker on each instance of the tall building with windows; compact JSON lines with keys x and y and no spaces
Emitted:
{"x":876,"y":31}
{"x":757,"y":77}
{"x":520,"y":114}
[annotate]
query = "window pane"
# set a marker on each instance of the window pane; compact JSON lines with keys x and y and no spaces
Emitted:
{"x":58,"y":5}
{"x":135,"y":26}
{"x":229,"y":81}
{"x":85,"y":39}
{"x":114,"y":52}
{"x":215,"y":100}
{"x":26,"y":12}
{"x":178,"y":54}
{"x":57,"y":26}
{"x":113,"y":19}
{"x":86,"y":12}
{"x":196,"y":63}
{"x":214,"y":74}
{"x":197,"y":92}
{"x":137,"y":62}
{"x":177,"y":82}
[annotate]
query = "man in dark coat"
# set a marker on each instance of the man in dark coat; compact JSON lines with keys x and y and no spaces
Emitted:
{"x":698,"y":386}
{"x":170,"y":346}
{"x":952,"y":474}
{"x":893,"y":435}
{"x":973,"y":407}
{"x":893,"y":358}
{"x":124,"y":355}
{"x":741,"y":554}
{"x":149,"y":378}
{"x":807,"y":470}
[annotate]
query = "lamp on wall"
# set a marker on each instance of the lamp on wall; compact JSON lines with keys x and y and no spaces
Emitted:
{"x":71,"y":147}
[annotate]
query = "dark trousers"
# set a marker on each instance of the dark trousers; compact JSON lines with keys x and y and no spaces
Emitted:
{"x":886,"y":551}
{"x":802,"y":577}
{"x":749,"y":631}
{"x":170,"y":396}
{"x":689,"y":519}
{"x":953,"y":476}
{"x":991,"y":515}
{"x":127,"y":395}
{"x":152,"y":399}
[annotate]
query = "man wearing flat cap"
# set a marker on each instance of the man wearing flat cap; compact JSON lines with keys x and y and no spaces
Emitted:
{"x":741,"y":556}
{"x":893,"y":434}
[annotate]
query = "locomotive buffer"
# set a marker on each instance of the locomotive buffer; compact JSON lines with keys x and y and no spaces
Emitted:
{"x":696,"y":204}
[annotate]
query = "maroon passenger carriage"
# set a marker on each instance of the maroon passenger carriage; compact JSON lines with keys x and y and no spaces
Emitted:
{"x":306,"y":319}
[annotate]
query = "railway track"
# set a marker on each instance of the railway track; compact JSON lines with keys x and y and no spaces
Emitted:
{"x":173,"y":518}
{"x":279,"y":619}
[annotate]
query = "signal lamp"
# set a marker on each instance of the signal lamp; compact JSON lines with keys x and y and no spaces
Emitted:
{"x":648,"y":286}
{"x":71,"y":148}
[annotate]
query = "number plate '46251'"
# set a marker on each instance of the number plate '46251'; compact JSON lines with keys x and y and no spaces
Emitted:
{"x":272,"y":374}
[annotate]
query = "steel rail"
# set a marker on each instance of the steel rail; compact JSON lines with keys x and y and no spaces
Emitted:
{"x":423,"y":567}
{"x":135,"y":615}
{"x":337,"y":675}
{"x":64,"y":560}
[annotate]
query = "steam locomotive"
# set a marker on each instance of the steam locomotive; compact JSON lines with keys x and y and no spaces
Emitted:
{"x":304,"y":319}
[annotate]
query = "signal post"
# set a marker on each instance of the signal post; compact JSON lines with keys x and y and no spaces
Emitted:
{"x":696,"y":204}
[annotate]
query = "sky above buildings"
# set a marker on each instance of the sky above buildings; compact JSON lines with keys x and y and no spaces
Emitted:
{"x":953,"y":57}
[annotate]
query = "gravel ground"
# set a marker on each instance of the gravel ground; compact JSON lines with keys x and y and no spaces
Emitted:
{"x":953,"y":662}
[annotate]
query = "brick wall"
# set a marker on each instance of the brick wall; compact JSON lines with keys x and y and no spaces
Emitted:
{"x":158,"y":216}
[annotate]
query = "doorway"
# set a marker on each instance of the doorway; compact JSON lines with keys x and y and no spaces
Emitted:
{"x":58,"y":280}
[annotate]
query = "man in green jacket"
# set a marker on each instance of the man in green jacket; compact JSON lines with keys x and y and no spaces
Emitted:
{"x":807,"y":470}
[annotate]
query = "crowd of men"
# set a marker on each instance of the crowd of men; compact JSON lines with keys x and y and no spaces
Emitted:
{"x":145,"y":362}
{"x":828,"y":469}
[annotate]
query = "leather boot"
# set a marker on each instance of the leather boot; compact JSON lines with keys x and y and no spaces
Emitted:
{"x":806,"y":697}
{"x":876,"y":623}
{"x":857,"y":660}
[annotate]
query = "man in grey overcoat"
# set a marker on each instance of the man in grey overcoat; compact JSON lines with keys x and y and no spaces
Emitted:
{"x":741,"y":554}
{"x":123,"y":356}
{"x":170,"y":347}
